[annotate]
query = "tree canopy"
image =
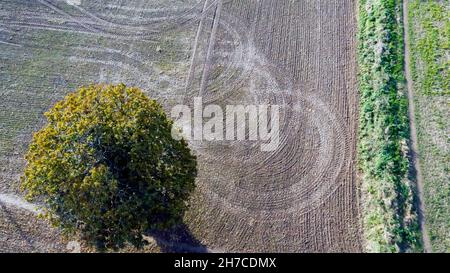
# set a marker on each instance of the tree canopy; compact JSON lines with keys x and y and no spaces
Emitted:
{"x":106,"y":166}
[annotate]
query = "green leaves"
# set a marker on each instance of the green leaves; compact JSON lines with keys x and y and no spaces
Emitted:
{"x":383,"y":130}
{"x":107,"y":166}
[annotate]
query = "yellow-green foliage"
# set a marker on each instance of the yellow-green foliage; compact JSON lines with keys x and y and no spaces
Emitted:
{"x":107,"y":167}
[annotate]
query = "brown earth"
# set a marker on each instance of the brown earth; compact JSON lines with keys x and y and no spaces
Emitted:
{"x":302,"y":197}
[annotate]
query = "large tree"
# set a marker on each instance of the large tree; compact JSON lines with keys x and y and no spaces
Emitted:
{"x":107,"y":167}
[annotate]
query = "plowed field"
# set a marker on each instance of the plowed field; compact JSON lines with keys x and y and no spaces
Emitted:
{"x":302,"y":197}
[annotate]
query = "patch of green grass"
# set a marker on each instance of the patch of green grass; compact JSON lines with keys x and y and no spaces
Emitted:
{"x":389,"y":218}
{"x":170,"y":50}
{"x":429,"y":31}
{"x":166,"y":66}
{"x":432,"y":46}
{"x":29,"y":82}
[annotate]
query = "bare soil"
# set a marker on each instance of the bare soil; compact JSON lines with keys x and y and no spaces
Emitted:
{"x":300,"y":55}
{"x":414,"y":148}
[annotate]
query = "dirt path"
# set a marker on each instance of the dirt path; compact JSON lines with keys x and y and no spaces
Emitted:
{"x":413,"y":138}
{"x":12,"y":200}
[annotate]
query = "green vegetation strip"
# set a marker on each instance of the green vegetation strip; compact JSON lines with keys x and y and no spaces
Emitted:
{"x":389,"y":218}
{"x":429,"y":31}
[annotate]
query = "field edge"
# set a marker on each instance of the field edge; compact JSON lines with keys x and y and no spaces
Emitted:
{"x":389,"y":213}
{"x":428,"y":41}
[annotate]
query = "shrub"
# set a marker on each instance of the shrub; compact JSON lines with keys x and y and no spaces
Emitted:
{"x":390,"y":220}
{"x":107,"y":168}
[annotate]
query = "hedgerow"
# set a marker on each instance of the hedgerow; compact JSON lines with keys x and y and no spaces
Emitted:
{"x":389,"y":219}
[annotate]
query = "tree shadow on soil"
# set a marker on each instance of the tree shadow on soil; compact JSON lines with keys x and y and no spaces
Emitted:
{"x":178,"y":239}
